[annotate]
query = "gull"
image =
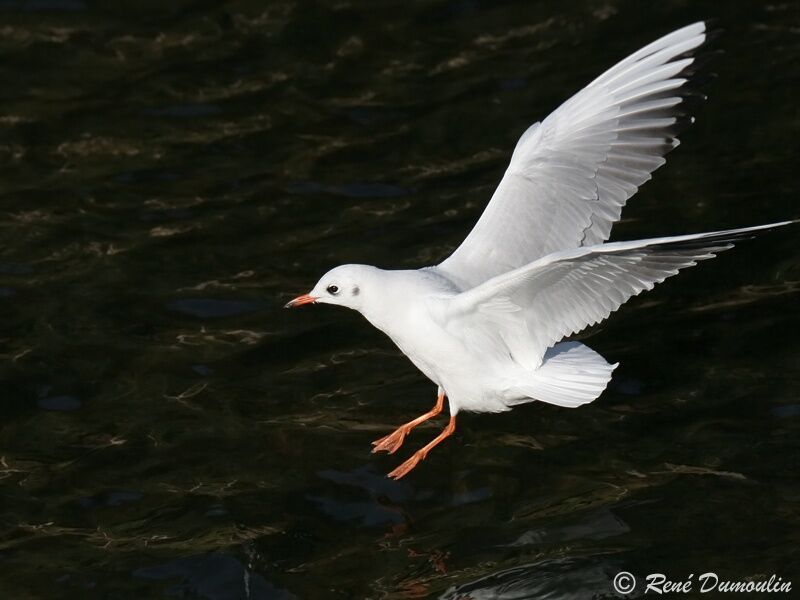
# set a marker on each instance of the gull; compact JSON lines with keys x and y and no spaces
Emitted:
{"x":486,"y":325}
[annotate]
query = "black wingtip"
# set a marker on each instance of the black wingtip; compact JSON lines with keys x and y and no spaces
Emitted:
{"x":698,"y":78}
{"x":718,"y":239}
{"x":713,"y":29}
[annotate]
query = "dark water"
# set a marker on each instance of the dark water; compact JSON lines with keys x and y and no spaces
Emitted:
{"x":173,"y":172}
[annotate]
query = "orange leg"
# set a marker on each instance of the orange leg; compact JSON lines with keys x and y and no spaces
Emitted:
{"x":420,"y":454}
{"x":392,"y":442}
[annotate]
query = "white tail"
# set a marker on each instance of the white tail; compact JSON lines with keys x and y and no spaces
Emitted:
{"x":571,"y":375}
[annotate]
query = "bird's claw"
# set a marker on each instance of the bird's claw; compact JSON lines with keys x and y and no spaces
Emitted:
{"x":406,"y":467}
{"x":391,"y":443}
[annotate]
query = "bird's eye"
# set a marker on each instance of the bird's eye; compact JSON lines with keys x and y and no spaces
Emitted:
{"x":333,"y":290}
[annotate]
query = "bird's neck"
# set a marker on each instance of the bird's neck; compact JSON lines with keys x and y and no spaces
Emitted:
{"x":391,"y":296}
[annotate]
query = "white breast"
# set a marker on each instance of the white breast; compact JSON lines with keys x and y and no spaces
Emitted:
{"x":400,"y":307}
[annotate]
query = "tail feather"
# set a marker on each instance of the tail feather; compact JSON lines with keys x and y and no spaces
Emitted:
{"x":571,"y":375}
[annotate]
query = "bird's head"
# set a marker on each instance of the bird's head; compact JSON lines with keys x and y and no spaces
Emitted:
{"x":343,"y":286}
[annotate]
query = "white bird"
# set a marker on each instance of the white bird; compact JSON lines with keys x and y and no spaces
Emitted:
{"x":485,"y":325}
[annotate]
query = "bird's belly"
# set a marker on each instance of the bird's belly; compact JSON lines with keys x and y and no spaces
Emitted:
{"x":470,"y":382}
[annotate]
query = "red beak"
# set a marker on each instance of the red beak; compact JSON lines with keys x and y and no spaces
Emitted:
{"x":300,"y":300}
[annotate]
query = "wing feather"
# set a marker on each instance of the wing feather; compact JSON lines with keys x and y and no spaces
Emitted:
{"x":570,"y":176}
{"x":524,"y":312}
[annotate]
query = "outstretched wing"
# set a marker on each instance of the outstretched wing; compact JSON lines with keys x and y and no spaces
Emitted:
{"x":525,"y":311}
{"x":570,"y":176}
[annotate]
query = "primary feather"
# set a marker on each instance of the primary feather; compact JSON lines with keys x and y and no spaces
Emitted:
{"x":525,"y":311}
{"x":570,"y":176}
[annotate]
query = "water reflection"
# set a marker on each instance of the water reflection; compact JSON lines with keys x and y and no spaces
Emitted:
{"x":561,"y":578}
{"x":596,"y":526}
{"x":383,"y":506}
{"x":212,"y":576}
